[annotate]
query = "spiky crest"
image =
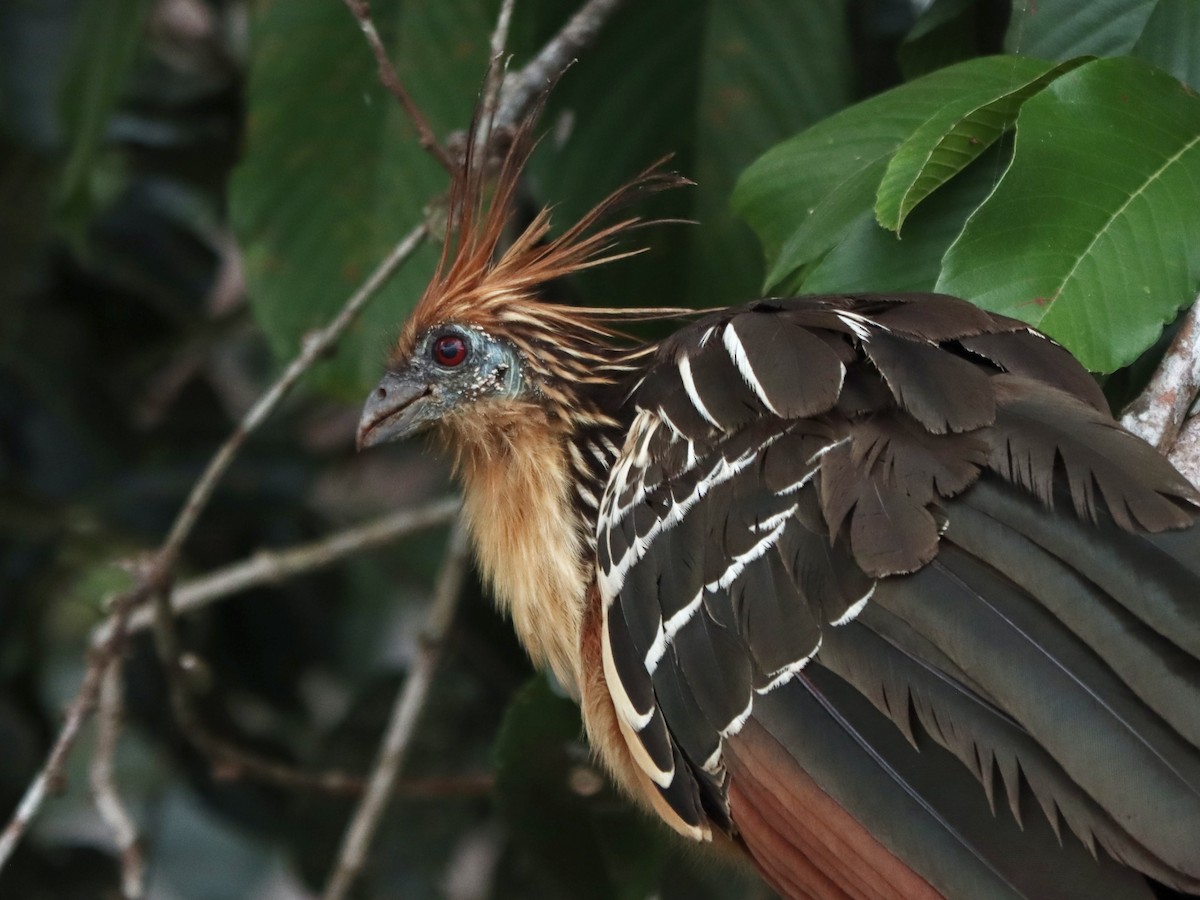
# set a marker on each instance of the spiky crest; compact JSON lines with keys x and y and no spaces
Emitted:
{"x":476,"y":283}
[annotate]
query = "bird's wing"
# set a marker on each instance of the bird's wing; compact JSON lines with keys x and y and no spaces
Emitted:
{"x":850,"y":538}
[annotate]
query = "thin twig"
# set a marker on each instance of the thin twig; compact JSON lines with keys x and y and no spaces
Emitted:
{"x":1157,"y":415}
{"x":166,"y":637}
{"x":388,"y":77}
{"x":274,"y":566}
{"x":51,"y":772}
{"x":108,"y":801}
{"x":154,"y":581}
{"x":229,"y":760}
{"x":523,"y":87}
{"x":312,"y":348}
{"x":405,"y":713}
{"x":48,"y":779}
{"x":495,"y":73}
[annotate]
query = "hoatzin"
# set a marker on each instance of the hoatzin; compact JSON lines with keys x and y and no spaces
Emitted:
{"x":872,"y":588}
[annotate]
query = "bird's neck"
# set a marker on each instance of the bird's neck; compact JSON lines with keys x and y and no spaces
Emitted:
{"x":532,"y":536}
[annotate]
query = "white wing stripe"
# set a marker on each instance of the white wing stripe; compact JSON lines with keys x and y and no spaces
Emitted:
{"x":744,"y":559}
{"x":855,"y":608}
{"x":689,"y":385}
{"x":612,"y":579}
{"x":667,"y":632}
{"x":739,"y":720}
{"x":737,"y":353}
{"x":787,"y":673}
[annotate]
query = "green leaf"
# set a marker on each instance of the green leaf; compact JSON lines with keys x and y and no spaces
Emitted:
{"x":1062,"y":29}
{"x":950,"y":139}
{"x":1171,"y":40}
{"x":871,"y":258}
{"x":106,"y":48}
{"x":333,"y":177}
{"x":1094,"y":233}
{"x":803,"y":195}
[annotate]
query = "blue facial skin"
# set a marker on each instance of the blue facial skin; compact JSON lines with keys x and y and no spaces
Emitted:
{"x":410,"y":399}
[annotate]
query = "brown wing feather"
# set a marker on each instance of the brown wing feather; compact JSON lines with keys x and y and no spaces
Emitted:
{"x":740,"y":525}
{"x":805,"y":842}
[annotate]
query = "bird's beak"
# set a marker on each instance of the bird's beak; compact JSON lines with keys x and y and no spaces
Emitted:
{"x":398,"y":407}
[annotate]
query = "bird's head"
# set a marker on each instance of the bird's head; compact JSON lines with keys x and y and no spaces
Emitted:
{"x":482,"y":351}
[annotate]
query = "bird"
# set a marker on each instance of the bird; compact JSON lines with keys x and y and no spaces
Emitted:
{"x":868,"y":589}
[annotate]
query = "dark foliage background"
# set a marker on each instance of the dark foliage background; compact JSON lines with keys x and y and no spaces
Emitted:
{"x":189,"y":186}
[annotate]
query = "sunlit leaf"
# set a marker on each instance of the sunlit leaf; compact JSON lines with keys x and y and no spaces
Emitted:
{"x":871,"y":258}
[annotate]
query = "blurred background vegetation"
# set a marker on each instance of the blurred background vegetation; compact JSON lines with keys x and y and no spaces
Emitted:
{"x":188,"y":187}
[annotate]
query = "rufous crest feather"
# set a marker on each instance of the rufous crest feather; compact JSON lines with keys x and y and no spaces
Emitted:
{"x":493,"y":288}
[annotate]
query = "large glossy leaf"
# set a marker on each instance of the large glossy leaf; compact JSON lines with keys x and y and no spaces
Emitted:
{"x":332,"y":176}
{"x":871,"y":258}
{"x":1094,"y":232}
{"x":1062,"y":29}
{"x":803,"y":195}
{"x":954,"y":136}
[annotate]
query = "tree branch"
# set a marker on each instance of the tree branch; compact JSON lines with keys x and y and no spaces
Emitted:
{"x":405,"y":713}
{"x":274,"y":566}
{"x":495,"y":73}
{"x":390,"y":79}
{"x":523,"y":87}
{"x":155,"y":577}
{"x":108,"y":801}
{"x":152,"y":580}
{"x":1159,"y":413}
{"x":314,"y":346}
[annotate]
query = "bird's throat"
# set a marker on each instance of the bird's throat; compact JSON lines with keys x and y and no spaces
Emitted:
{"x":529,"y":539}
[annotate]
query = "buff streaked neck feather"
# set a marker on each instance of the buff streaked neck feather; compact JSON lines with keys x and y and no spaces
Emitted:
{"x":528,"y":533}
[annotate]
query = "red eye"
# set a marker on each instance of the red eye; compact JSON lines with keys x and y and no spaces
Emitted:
{"x":449,"y":350}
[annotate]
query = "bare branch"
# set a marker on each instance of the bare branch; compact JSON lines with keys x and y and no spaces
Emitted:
{"x":1157,"y":415}
{"x":390,"y":79}
{"x":517,"y":95}
{"x":1185,"y":455}
{"x":152,"y":580}
{"x":51,"y":772}
{"x":109,"y":718}
{"x":522,"y":88}
{"x":272,"y":567}
{"x":312,"y":349}
{"x":495,"y":72}
{"x":405,"y":713}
